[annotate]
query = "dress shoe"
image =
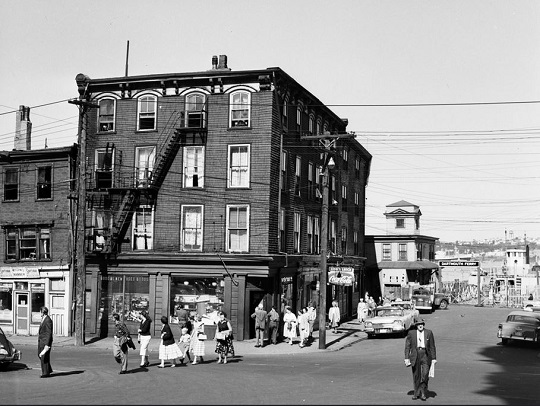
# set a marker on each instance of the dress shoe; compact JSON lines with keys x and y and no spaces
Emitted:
{"x":123,"y":372}
{"x":423,"y":397}
{"x":414,"y":397}
{"x":45,"y":376}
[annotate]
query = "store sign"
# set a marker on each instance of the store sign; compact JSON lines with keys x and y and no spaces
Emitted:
{"x":18,"y":272}
{"x":459,"y":263}
{"x":341,"y":275}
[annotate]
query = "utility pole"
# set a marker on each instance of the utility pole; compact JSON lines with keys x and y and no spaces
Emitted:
{"x":80,"y":222}
{"x":328,"y":140}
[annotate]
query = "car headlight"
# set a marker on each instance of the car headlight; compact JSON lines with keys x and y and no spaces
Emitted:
{"x":397,"y":325}
{"x":369,"y":325}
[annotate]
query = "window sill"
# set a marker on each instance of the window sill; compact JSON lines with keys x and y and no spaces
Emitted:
{"x":106,"y":132}
{"x":240,"y":128}
{"x":154,"y":130}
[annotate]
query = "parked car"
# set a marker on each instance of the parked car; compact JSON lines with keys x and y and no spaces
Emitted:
{"x":520,"y":325}
{"x":532,"y":304}
{"x":8,"y":353}
{"x":388,"y":320}
{"x":408,"y":306}
{"x":425,"y":299}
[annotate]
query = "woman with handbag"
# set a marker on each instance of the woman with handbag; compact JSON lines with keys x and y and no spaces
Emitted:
{"x":120,"y":345}
{"x":144,"y":337}
{"x":197,"y":346}
{"x":223,"y":338}
{"x":168,"y":350}
{"x":289,"y":325}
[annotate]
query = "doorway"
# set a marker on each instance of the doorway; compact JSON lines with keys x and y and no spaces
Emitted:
{"x":254,"y":298}
{"x":22,"y":319}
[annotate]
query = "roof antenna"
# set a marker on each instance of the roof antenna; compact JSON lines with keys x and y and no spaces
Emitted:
{"x":127,"y":57}
{"x":46,"y":143}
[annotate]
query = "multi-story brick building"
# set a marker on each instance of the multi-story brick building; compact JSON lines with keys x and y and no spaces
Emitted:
{"x":203,"y":194}
{"x":35,"y":217}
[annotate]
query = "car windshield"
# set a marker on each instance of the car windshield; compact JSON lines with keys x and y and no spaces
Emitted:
{"x":523,"y":319}
{"x":389,"y":312}
{"x":420,"y":292}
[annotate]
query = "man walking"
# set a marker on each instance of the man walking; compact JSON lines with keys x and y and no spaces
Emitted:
{"x":45,"y":339}
{"x":273,"y":324}
{"x":260,"y":324}
{"x":312,"y":315}
{"x":421,"y":354}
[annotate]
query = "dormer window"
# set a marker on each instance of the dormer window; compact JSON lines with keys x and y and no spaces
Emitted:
{"x":400,"y":223}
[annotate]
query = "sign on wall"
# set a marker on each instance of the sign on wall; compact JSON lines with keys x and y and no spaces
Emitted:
{"x":18,"y":272}
{"x":341,"y":275}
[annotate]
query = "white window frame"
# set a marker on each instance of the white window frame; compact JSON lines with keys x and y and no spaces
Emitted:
{"x":193,"y":172}
{"x":239,"y":246}
{"x":386,"y":252}
{"x":238,"y":167}
{"x":146,"y":110}
{"x":309,"y":234}
{"x":298,"y":173}
{"x":297,"y":232}
{"x":238,"y":105}
{"x":195,"y":109}
{"x":194,"y":226}
{"x":102,"y":222}
{"x":106,"y":122}
{"x":282,"y":236}
{"x":316,"y":235}
{"x":143,"y":231}
{"x":97,"y":169}
{"x":144,"y":165}
{"x":403,"y":255}
{"x":283,"y":170}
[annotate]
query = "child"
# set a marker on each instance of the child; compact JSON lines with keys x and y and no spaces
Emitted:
{"x":183,"y":344}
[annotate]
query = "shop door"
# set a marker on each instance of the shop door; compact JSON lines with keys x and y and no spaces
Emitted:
{"x":255,"y":297}
{"x":22,"y":312}
{"x":58,"y":314}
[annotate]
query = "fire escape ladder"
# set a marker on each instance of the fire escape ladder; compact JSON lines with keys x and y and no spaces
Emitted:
{"x":123,"y":219}
{"x":166,"y":158}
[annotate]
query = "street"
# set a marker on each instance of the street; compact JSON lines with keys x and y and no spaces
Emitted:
{"x":473,"y":368}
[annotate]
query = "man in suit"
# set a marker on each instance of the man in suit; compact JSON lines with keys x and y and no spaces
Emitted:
{"x":260,"y":324}
{"x":273,"y":324}
{"x":45,"y":339}
{"x":420,"y":354}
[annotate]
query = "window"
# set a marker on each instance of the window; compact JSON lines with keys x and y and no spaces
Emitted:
{"x":356,"y":203}
{"x":311,"y":124}
{"x":44,"y":182}
{"x":106,"y":115}
{"x":238,"y":228}
{"x":282,"y":235}
{"x":417,"y":223}
{"x":400,"y":223}
{"x":311,"y":190}
{"x":386,"y":252}
{"x":186,"y":292}
{"x":317,"y":235}
{"x":299,"y":117}
{"x":285,"y":114}
{"x":101,"y":226}
{"x":344,"y":196}
{"x":195,"y":111}
{"x":240,"y":103}
{"x":357,"y":168}
{"x":355,"y":243}
{"x":143,"y":228}
{"x":333,"y":195}
{"x":297,"y":174}
{"x":238,"y":166}
{"x":147,"y":113}
{"x":309,"y":233}
{"x":192,"y":228}
{"x":28,"y":243}
{"x":104,"y":168}
{"x":6,"y":302}
{"x":333,"y":237}
{"x":194,"y":166}
{"x":343,"y":240}
{"x":402,"y":252}
{"x":283,"y":172}
{"x":11,"y":184}
{"x":144,"y":158}
{"x":319,"y":126}
{"x":318,"y":176}
{"x":297,"y":219}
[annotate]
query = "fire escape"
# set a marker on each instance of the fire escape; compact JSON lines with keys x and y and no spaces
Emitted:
{"x":119,"y":192}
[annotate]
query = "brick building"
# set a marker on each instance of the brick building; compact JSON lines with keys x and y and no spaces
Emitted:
{"x":36,"y":222}
{"x":202,"y":193}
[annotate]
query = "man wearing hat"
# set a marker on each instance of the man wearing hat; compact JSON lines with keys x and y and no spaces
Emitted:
{"x":420,"y":353}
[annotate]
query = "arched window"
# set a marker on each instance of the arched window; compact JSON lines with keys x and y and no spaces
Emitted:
{"x":195,"y":110}
{"x":106,"y":115}
{"x":147,"y":113}
{"x":240,"y":106}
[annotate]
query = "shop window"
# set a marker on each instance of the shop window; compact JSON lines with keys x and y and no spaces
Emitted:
{"x":37,"y":301}
{"x":28,"y":244}
{"x":238,"y":228}
{"x":57,"y":285}
{"x":143,"y":228}
{"x":147,"y":113}
{"x":192,"y":228}
{"x":57,"y":302}
{"x":144,"y":158}
{"x":11,"y":184}
{"x":6,"y":302}
{"x":193,"y":166}
{"x":238,"y":166}
{"x":287,"y":293}
{"x":106,"y":115}
{"x":203,"y":296}
{"x":240,"y":105}
{"x":44,"y":182}
{"x":126,"y":295}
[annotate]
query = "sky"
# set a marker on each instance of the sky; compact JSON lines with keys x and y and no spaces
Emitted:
{"x":445,"y":95}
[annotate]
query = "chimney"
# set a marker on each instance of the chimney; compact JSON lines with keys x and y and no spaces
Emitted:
{"x":214,"y":62}
{"x":23,"y":129}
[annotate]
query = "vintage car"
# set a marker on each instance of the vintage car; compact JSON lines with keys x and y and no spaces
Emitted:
{"x":531,"y":304}
{"x":8,"y":353}
{"x":408,"y":306}
{"x":425,"y":299}
{"x":520,"y":325}
{"x":388,"y":320}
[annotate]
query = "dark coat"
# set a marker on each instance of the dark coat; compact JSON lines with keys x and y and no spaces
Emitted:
{"x":45,"y":335}
{"x":145,"y":327}
{"x":168,"y":338}
{"x":411,"y":349}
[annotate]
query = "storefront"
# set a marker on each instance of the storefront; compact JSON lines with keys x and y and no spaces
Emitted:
{"x":24,"y":290}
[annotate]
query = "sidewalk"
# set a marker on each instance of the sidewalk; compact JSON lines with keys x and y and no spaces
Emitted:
{"x":348,"y":334}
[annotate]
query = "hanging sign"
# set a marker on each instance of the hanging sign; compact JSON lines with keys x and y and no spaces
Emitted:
{"x":341,"y":275}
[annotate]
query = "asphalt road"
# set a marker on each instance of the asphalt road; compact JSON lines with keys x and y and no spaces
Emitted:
{"x":472,"y":368}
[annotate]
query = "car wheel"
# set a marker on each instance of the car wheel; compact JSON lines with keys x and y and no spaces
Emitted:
{"x":504,"y":341}
{"x":370,"y":336}
{"x":443,"y":305}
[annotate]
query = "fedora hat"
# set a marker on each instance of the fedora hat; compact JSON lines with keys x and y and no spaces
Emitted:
{"x":421,"y":321}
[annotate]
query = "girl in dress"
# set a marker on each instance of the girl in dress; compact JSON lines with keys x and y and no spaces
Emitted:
{"x":183,"y":344}
{"x":303,"y":326}
{"x":168,"y":350}
{"x":223,"y":338}
{"x":197,"y":347}
{"x":334,"y":316}
{"x":289,"y":325}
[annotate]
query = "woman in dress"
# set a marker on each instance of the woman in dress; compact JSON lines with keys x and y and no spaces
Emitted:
{"x":197,"y":346}
{"x":144,"y":337}
{"x":168,"y":350}
{"x":334,"y":316}
{"x":303,"y":326}
{"x":289,"y":325}
{"x":223,"y":338}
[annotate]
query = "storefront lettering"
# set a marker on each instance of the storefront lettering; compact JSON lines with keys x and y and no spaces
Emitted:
{"x":341,"y":277}
{"x":19,"y":272}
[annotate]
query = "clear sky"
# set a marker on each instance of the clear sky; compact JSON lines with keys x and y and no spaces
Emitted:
{"x":444,"y":94}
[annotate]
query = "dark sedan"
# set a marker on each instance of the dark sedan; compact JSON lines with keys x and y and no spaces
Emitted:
{"x":8,"y":353}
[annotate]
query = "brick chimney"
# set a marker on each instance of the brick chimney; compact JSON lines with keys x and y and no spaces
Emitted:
{"x":23,"y":129}
{"x":220,"y":64}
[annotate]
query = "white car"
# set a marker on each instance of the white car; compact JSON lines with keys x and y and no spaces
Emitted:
{"x":408,"y":306}
{"x":389,"y":320}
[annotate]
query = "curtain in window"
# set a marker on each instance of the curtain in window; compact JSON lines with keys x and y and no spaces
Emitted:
{"x":239,"y":166}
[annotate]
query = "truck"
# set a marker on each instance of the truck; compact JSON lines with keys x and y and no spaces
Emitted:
{"x":426,"y":299}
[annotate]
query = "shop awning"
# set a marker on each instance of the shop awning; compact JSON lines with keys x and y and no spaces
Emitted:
{"x":424,"y":264}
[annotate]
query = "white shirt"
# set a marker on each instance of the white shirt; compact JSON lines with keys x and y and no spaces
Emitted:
{"x":421,"y":342}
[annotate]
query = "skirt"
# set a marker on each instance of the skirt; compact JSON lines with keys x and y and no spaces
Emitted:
{"x":145,"y":340}
{"x":169,"y":351}
{"x":197,"y":347}
{"x":224,"y":347}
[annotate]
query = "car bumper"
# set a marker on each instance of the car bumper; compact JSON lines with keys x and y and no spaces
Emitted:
{"x":5,"y":358}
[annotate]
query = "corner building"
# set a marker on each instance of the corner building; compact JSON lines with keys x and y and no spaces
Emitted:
{"x":203,"y":193}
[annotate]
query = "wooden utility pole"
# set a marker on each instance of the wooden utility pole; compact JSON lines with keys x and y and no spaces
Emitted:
{"x":80,"y":221}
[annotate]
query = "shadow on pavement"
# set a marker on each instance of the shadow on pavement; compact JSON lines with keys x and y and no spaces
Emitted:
{"x":16,"y":366}
{"x":66,"y":373}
